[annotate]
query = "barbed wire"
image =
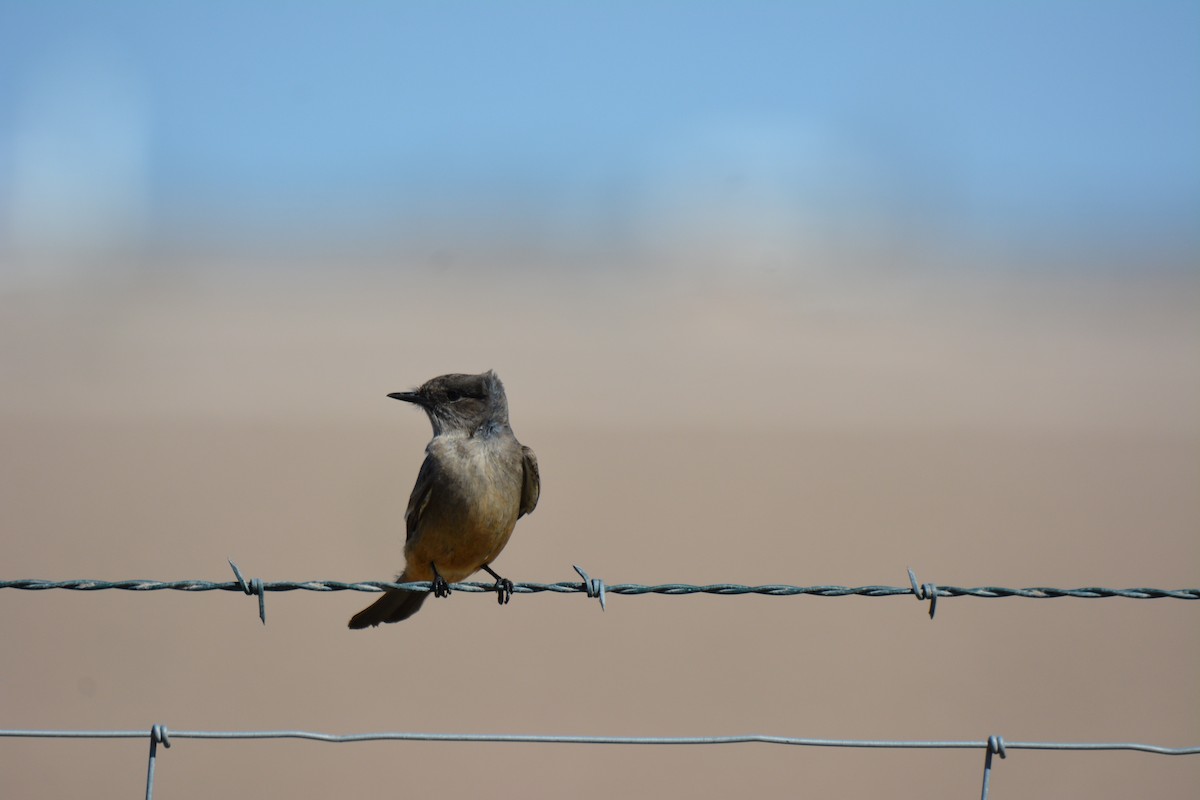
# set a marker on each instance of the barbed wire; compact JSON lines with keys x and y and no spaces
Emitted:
{"x":597,"y":588}
{"x":993,"y":745}
{"x":776,"y":590}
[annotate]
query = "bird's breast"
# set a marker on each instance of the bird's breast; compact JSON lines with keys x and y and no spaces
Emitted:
{"x":473,"y":506}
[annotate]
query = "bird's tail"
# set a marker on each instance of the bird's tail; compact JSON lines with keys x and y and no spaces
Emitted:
{"x":394,"y":606}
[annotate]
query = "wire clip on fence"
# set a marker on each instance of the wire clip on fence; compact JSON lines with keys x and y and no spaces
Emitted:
{"x":994,"y":745}
{"x":158,"y":735}
{"x":597,"y":588}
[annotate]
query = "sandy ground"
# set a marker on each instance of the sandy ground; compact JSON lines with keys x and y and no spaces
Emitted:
{"x":1031,"y":431}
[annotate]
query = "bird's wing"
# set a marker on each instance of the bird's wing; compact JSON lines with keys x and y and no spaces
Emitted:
{"x":531,"y":488}
{"x":419,"y":498}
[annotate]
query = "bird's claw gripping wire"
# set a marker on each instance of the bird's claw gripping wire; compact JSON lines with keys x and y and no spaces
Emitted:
{"x":440,"y":587}
{"x":503,"y":587}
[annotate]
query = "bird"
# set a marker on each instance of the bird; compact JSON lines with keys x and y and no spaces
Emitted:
{"x":476,"y":481}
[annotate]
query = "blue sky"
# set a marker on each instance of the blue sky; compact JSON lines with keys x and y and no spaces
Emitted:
{"x":999,"y":120}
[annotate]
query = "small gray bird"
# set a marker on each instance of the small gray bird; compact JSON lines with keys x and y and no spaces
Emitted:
{"x":477,"y":480}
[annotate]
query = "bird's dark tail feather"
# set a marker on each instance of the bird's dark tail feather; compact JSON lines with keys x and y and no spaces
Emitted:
{"x":394,"y":606}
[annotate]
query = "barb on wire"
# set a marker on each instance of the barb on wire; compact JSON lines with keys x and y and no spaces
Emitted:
{"x":593,"y":586}
{"x":924,"y":591}
{"x":255,"y":586}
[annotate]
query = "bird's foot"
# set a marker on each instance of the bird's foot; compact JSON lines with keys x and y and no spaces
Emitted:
{"x":503,"y":586}
{"x":440,"y":587}
{"x":504,"y":590}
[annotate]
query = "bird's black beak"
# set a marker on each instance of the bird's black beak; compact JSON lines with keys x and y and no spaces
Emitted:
{"x":409,"y":397}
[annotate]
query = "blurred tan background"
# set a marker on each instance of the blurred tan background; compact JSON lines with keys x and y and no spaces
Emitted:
{"x":1040,"y":431}
{"x":800,"y":293}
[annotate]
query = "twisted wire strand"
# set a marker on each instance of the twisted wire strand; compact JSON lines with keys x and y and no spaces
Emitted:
{"x":575,"y":587}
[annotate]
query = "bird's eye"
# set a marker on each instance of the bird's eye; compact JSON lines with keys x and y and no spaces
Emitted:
{"x":453,"y":396}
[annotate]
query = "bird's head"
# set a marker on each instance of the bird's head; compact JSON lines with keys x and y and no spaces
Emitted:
{"x":458,"y":403}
